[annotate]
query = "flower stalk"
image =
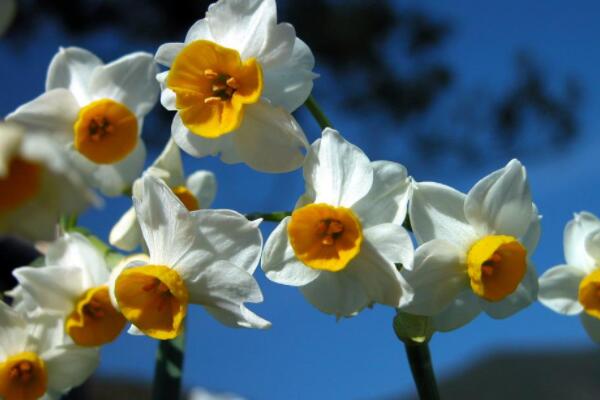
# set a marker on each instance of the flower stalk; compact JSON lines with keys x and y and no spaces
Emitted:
{"x":168,"y":368}
{"x":421,"y":367}
{"x":317,"y":113}
{"x":275,"y":216}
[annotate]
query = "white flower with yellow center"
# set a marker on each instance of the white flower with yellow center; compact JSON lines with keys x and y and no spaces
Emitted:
{"x":38,"y":184}
{"x":574,"y":288}
{"x":73,"y":287}
{"x":195,"y":192}
{"x":35,"y":362}
{"x":234,"y":82}
{"x":475,"y":248}
{"x":204,"y":257}
{"x":97,"y":110}
{"x":342,"y":240}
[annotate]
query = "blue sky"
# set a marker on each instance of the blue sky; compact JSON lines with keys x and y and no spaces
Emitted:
{"x":307,"y":354}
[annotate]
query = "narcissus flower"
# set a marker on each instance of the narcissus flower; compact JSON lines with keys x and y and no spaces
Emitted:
{"x":574,"y":288}
{"x":195,"y":192}
{"x":475,"y":249}
{"x":97,"y":110}
{"x":234,"y":82}
{"x":72,"y":286}
{"x":342,"y":240}
{"x":204,"y":257}
{"x":34,"y":362}
{"x":38,"y":184}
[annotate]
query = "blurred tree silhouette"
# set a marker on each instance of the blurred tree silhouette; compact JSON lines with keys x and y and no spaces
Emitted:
{"x":381,"y":55}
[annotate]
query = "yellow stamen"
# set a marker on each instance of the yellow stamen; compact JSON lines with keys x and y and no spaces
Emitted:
{"x":187,"y":198}
{"x":94,"y":321}
{"x":154,"y":298}
{"x":23,"y":377}
{"x":212,"y":87}
{"x":589,"y":293}
{"x":496,"y":265}
{"x":325,"y":237}
{"x":22,"y":183}
{"x":106,"y":131}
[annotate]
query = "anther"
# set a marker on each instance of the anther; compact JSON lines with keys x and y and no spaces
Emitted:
{"x":212,"y":100}
{"x":232,"y":83}
{"x":210,"y":74}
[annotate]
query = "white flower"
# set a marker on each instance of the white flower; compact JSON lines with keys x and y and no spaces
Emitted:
{"x":72,"y":286}
{"x":475,"y":249}
{"x":35,"y":362}
{"x":574,"y":288}
{"x":204,"y":257}
{"x":38,"y":184}
{"x":97,"y":110}
{"x":195,"y":192}
{"x":342,"y":240}
{"x":234,"y":82}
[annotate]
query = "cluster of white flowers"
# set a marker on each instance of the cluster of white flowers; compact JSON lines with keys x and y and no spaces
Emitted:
{"x":233,"y":83}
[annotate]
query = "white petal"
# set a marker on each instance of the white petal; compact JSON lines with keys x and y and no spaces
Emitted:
{"x":167,"y":52}
{"x":71,"y":68}
{"x":203,"y":185}
{"x":525,"y":294}
{"x":74,"y":250}
{"x":52,"y":288}
{"x":460,"y":312}
{"x":270,"y":139}
{"x":436,"y":212}
{"x":126,"y":234}
{"x":197,"y":146}
{"x":337,"y":171}
{"x":531,"y":238}
{"x":129,"y":80}
{"x":199,"y":31}
{"x":592,"y":245}
{"x":13,"y":335}
{"x":559,"y":289}
{"x":165,"y":222}
{"x":223,"y":288}
{"x":243,"y":25}
{"x":574,"y":238}
{"x":69,"y":366}
{"x":170,"y":162}
{"x":337,"y":294}
{"x":393,"y":242}
{"x":222,"y":235}
{"x":278,"y":47}
{"x":168,"y":98}
{"x":378,"y":277}
{"x":135,"y":331}
{"x":591,"y":326}
{"x":114,"y":179}
{"x":388,"y":198}
{"x":279,"y":262}
{"x":11,"y":137}
{"x":438,"y":276}
{"x":289,"y":83}
{"x":52,"y":113}
{"x":501,"y":203}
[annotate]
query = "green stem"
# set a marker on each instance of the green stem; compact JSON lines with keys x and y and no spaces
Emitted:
{"x":275,"y":216}
{"x":422,"y":370}
{"x":168,"y":369}
{"x":316,"y":112}
{"x":68,"y":222}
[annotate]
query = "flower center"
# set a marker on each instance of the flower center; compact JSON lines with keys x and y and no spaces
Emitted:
{"x":589,"y":293}
{"x":325,"y":237}
{"x":187,"y":198}
{"x":154,"y":298}
{"x":94,"y":321}
{"x":496,"y":265}
{"x":22,"y":183}
{"x":106,"y":131}
{"x":212,"y":85}
{"x":23,"y":377}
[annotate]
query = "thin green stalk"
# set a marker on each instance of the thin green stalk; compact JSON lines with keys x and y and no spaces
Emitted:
{"x":422,"y":369}
{"x":168,"y":369}
{"x":317,"y":113}
{"x":275,"y":216}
